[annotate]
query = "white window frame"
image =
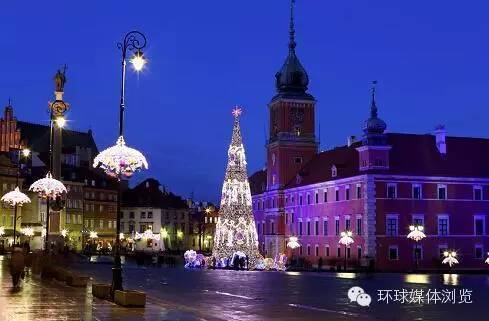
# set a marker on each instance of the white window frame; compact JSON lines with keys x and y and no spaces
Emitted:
{"x":438,"y":191}
{"x":395,"y":190}
{"x":443,"y":216}
{"x":348,"y":218}
{"x":358,"y":187}
{"x":387,"y":218}
{"x":483,"y":218}
{"x":391,"y":247}
{"x":418,"y":217}
{"x":347,"y":192}
{"x":477,"y":187}
{"x":420,"y":191}
{"x":421,"y":251}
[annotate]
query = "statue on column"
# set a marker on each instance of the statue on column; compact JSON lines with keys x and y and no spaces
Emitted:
{"x":60,"y":79}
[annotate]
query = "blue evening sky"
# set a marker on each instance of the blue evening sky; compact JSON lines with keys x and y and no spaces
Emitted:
{"x":431,"y":59}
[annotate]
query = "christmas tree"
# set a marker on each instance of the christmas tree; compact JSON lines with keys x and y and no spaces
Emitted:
{"x":235,"y":229}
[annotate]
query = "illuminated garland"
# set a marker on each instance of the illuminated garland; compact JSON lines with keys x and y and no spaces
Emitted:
{"x":15,"y":197}
{"x":235,"y":228}
{"x":120,"y":160}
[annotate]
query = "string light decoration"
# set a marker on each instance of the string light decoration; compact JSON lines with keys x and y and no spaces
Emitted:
{"x":93,"y":235}
{"x":15,"y":197}
{"x":48,"y":187}
{"x":2,"y":231}
{"x":64,"y":232}
{"x":120,"y":161}
{"x":416,"y":233}
{"x":147,"y":235}
{"x":27,"y":231}
{"x":293,"y":242}
{"x":235,"y":228}
{"x":450,"y":258}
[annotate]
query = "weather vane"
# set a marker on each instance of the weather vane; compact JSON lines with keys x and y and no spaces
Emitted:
{"x":237,"y":111}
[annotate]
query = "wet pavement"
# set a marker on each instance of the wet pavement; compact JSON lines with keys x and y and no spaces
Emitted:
{"x":179,"y":294}
{"x":52,"y":300}
{"x":291,"y":296}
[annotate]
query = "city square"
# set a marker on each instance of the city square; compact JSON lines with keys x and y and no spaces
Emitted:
{"x":156,"y":166}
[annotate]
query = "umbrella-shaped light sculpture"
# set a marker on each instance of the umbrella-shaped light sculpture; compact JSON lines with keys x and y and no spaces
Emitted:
{"x":120,"y":161}
{"x":416,"y":233}
{"x":15,"y":198}
{"x":450,"y":258}
{"x":48,"y":188}
{"x":346,"y":239}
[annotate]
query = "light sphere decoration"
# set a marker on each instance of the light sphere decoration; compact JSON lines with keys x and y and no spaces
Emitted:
{"x":450,"y":258}
{"x":64,"y":232}
{"x":120,"y":160}
{"x":93,"y":235}
{"x":2,"y":231}
{"x":48,"y":187}
{"x":293,"y":242}
{"x":15,"y":197}
{"x":147,"y":235}
{"x":346,"y":238}
{"x":164,"y":233}
{"x":27,"y":231}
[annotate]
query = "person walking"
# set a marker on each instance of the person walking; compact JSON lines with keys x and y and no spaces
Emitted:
{"x":17,"y":266}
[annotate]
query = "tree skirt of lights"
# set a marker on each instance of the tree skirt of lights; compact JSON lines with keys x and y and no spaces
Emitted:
{"x":194,"y":260}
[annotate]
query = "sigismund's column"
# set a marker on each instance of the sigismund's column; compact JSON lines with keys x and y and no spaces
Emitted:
{"x":58,"y":109}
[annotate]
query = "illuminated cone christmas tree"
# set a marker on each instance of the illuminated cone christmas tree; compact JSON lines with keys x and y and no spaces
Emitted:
{"x":235,"y":229}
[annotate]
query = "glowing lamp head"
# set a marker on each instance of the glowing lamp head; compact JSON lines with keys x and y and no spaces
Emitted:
{"x":445,"y":254}
{"x":60,"y":121}
{"x":121,"y":236}
{"x":180,"y":234}
{"x":420,"y":228}
{"x":138,"y":61}
{"x":411,"y":227}
{"x":64,"y":232}
{"x":26,"y":152}
{"x":454,"y":254}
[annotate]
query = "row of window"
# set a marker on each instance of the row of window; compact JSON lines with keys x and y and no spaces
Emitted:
{"x":74,"y":218}
{"x":441,"y":192}
{"x":102,"y":196}
{"x":142,"y":215}
{"x":90,"y":223}
{"x":443,"y":224}
{"x":99,"y":208}
{"x":340,"y":251}
{"x":210,"y":219}
{"x":417,"y":252}
{"x":346,"y":195}
{"x":316,"y":228}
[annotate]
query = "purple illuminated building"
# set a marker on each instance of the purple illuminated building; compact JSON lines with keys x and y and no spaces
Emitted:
{"x":376,"y":187}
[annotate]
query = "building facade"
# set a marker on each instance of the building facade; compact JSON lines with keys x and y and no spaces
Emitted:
{"x":149,"y":206}
{"x":375,"y":187}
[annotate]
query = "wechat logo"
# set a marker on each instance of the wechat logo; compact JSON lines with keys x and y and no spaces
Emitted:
{"x":358,"y":295}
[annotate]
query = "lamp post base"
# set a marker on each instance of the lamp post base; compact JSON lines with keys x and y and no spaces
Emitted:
{"x":116,"y":279}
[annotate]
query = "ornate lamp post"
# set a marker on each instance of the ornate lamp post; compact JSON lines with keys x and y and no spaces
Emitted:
{"x":16,"y":198}
{"x":346,"y":239}
{"x":450,"y":258}
{"x":120,"y":161}
{"x":416,"y":233}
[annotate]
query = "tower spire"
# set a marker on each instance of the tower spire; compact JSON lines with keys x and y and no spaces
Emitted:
{"x":292,"y":43}
{"x":373,"y":106}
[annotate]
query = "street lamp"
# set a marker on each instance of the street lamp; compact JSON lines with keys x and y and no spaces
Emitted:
{"x":416,"y":233}
{"x":120,"y":161}
{"x":346,"y":239}
{"x":49,"y":187}
{"x":293,"y":243}
{"x":16,"y":197}
{"x":450,"y":258}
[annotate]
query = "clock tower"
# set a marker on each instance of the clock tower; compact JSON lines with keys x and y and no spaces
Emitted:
{"x":292,"y":140}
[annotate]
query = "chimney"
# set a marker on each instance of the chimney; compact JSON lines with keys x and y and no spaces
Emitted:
{"x":440,"y":135}
{"x":351,"y":140}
